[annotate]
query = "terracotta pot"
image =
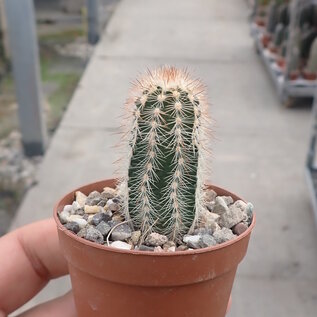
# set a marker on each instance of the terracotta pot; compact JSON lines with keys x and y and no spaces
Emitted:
{"x":120,"y":283}
{"x":281,"y":62}
{"x":266,"y":38}
{"x":260,"y":22}
{"x":309,"y":75}
{"x":293,"y":75}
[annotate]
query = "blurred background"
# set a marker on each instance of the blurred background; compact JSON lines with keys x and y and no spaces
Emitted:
{"x":65,"y":70}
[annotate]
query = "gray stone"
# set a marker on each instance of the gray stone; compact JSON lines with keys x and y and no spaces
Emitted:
{"x":102,"y":203}
{"x":207,"y":241}
{"x":108,"y":193}
{"x":63,"y":216}
{"x":220,"y":206}
{"x":103,"y":228}
{"x":223,"y":235}
{"x":210,"y":195}
{"x":234,"y":214}
{"x":93,"y":198}
{"x":114,"y":207}
{"x":100,"y":216}
{"x":121,"y":232}
{"x":113,"y":223}
{"x":94,"y":235}
{"x":228,"y":200}
{"x":82,"y":233}
{"x":121,"y":245}
{"x":208,"y":220}
{"x":192,"y":241}
{"x":202,"y":231}
{"x":143,"y":247}
{"x":249,"y":212}
{"x":72,"y":226}
{"x":169,"y":246}
{"x":155,"y":239}
{"x":182,"y":247}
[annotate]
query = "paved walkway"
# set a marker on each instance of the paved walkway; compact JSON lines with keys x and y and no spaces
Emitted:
{"x":259,"y":147}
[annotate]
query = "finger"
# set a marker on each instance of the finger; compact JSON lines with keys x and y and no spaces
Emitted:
{"x":30,"y":258}
{"x":62,"y":307}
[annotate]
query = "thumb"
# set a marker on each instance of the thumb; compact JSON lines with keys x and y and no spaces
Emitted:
{"x":63,"y":306}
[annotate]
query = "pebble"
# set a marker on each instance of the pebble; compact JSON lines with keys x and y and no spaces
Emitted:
{"x":169,"y":245}
{"x":113,"y":223}
{"x":143,"y":247}
{"x":209,"y":220}
{"x":76,"y":205}
{"x":81,"y":198}
{"x":102,"y":203}
{"x":210,"y":195}
{"x":233,"y":215}
{"x":63,"y":216}
{"x":98,"y":217}
{"x":220,"y":206}
{"x":94,"y":235}
{"x":72,"y":226}
{"x":114,"y":207}
{"x":210,"y":205}
{"x":121,"y":245}
{"x":239,"y":228}
{"x":92,"y":209}
{"x":135,"y":237}
{"x":68,"y":208}
{"x":249,"y":211}
{"x":121,"y":232}
{"x":223,"y":235}
{"x":93,"y":198}
{"x":103,"y":228}
{"x":82,"y":233}
{"x":108,"y":193}
{"x":118,"y":217}
{"x":228,"y":200}
{"x":158,"y":249}
{"x":207,"y":241}
{"x":192,"y":241}
{"x":155,"y":239}
{"x":202,"y":231}
{"x":182,"y":247}
{"x":78,"y":219}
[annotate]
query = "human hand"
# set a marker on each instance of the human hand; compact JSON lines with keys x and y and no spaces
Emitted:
{"x":30,"y":257}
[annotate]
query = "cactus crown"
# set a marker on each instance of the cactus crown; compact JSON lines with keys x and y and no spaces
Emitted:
{"x":162,"y":185}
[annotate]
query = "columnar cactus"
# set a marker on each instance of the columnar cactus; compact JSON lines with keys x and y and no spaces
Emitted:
{"x":164,"y":176}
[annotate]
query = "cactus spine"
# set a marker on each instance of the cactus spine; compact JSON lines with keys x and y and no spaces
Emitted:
{"x":163,"y":184}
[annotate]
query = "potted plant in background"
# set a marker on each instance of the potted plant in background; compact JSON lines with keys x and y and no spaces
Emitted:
{"x":158,"y":241}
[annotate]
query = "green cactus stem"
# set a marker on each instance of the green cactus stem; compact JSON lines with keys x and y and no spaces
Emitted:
{"x":166,"y":144}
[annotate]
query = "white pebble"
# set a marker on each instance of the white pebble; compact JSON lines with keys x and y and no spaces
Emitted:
{"x":81,"y":198}
{"x":76,"y":205}
{"x":68,"y":208}
{"x":78,"y":219}
{"x":109,"y":202}
{"x":121,"y":245}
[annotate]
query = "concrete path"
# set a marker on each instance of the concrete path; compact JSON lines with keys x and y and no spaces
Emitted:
{"x":259,"y":147}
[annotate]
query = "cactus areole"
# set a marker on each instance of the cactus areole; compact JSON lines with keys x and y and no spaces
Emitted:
{"x":167,"y":141}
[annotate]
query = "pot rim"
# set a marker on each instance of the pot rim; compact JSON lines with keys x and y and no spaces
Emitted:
{"x":147,"y":253}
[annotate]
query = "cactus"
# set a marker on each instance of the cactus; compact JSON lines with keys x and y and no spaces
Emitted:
{"x":163,"y":183}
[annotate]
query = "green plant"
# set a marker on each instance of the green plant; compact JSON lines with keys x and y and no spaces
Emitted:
{"x":167,"y":142}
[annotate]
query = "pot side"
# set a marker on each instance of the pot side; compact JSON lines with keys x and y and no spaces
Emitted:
{"x":123,"y":283}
